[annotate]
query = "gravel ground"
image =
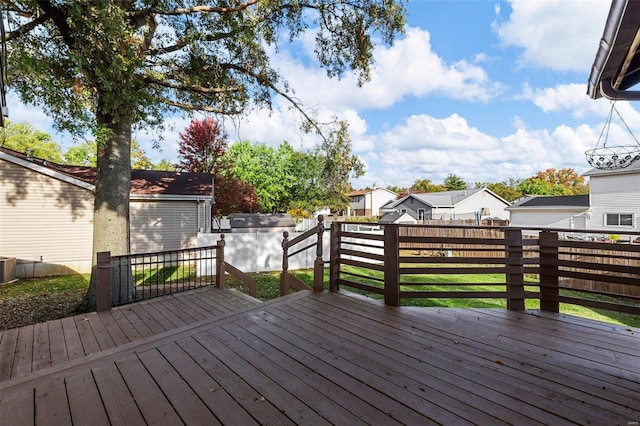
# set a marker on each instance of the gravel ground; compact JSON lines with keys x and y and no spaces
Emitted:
{"x":20,"y":311}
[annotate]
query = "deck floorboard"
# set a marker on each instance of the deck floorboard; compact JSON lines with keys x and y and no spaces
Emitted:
{"x":31,"y":348}
{"x":333,"y":358}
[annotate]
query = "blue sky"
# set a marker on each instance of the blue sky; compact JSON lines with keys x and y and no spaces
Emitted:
{"x":487,"y":90}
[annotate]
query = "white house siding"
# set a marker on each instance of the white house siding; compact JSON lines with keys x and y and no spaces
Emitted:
{"x":546,"y":218}
{"x":163,"y":225}
{"x":475,"y":203}
{"x":614,"y":194}
{"x":380,"y":197}
{"x":45,"y":223}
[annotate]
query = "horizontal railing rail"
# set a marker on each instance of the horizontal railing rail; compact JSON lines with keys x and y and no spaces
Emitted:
{"x":516,"y":264}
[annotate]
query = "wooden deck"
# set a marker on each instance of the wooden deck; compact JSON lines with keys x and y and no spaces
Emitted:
{"x":340,"y":359}
{"x":31,"y":348}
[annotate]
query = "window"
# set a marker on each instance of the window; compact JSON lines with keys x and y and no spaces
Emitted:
{"x":420,"y":214}
{"x":403,"y":211}
{"x":619,"y":219}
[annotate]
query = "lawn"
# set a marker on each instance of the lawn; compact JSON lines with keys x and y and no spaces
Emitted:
{"x":41,"y":295}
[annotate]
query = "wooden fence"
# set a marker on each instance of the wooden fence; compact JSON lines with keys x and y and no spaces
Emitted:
{"x":394,"y":262}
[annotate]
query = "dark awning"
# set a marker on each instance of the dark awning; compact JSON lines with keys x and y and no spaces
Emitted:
{"x":617,"y":64}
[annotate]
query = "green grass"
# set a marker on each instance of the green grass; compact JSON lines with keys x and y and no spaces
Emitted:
{"x":165,"y":275}
{"x":269,"y":288}
{"x":26,"y":287}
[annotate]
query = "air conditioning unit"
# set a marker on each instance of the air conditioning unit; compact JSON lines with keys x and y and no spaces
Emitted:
{"x":7,"y":269}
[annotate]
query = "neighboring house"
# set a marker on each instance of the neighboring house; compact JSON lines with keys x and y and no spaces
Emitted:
{"x":46,"y":213}
{"x":612,"y":206}
{"x":367,"y":202}
{"x":465,"y":204}
{"x":397,"y":217}
{"x":550,"y":211}
{"x":614,"y":199}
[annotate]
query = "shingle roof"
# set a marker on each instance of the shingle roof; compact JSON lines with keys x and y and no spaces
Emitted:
{"x":542,"y":201}
{"x":143,"y":182}
{"x":440,"y":199}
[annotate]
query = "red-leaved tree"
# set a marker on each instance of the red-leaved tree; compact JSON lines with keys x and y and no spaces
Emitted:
{"x":201,"y":145}
{"x":201,"y":149}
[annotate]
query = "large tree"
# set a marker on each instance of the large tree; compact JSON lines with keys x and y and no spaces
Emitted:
{"x":114,"y":66}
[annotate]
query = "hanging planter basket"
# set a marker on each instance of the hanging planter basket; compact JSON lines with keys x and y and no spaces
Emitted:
{"x":613,"y":157}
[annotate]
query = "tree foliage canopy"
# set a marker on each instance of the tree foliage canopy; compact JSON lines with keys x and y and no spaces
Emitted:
{"x":454,"y":183}
{"x":23,"y":137}
{"x":116,"y":65}
{"x":554,"y":182}
{"x":201,"y":146}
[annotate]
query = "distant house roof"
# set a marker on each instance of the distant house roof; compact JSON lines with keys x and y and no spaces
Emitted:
{"x":367,"y":191}
{"x":261,"y":220}
{"x":632,"y":168}
{"x":396,"y":217}
{"x":444,"y":199}
{"x":577,"y":202}
{"x":143,"y":182}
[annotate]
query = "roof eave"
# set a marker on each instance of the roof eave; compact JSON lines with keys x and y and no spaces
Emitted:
{"x":610,"y":74}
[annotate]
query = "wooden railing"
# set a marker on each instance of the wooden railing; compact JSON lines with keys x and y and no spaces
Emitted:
{"x":401,"y":261}
{"x":289,"y":249}
{"x":135,"y":277}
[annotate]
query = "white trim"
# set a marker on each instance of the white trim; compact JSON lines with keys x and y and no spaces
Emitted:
{"x":47,"y":171}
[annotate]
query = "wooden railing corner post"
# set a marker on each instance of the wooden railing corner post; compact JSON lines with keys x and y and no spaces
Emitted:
{"x":334,"y":256}
{"x":103,"y":281}
{"x":549,"y":283}
{"x":220,"y":262}
{"x":284,"y":276}
{"x":318,"y":264}
{"x":391,"y":265}
{"x":514,"y":263}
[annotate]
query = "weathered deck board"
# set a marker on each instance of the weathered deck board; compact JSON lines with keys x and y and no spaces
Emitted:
{"x":339,"y":359}
{"x":39,"y":346}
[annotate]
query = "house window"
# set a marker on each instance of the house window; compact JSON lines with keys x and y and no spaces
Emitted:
{"x":619,"y":219}
{"x":403,"y":211}
{"x":420,"y":214}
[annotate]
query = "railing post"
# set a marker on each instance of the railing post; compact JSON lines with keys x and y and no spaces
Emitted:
{"x":103,"y":281}
{"x":549,"y":290}
{"x":220,"y":262}
{"x":515,"y":269}
{"x":391,"y":265}
{"x":334,"y":256}
{"x":318,"y":264}
{"x":284,"y":276}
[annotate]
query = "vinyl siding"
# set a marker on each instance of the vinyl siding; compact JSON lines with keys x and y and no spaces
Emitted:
{"x":479,"y":201}
{"x":165,"y":225}
{"x":614,"y":194}
{"x":43,"y":217}
{"x":549,"y":219}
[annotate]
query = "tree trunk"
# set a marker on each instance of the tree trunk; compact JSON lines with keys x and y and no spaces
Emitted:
{"x":111,"y":205}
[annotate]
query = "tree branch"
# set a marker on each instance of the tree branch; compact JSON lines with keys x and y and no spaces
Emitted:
{"x":190,"y":88}
{"x":24,"y":29}
{"x":190,"y":107}
{"x":190,"y":10}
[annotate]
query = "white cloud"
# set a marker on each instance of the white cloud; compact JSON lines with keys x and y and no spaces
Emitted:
{"x":462,"y":150}
{"x":560,"y":35}
{"x":408,"y":68}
